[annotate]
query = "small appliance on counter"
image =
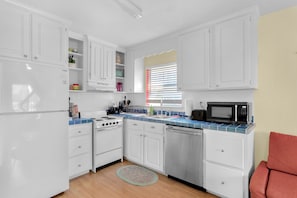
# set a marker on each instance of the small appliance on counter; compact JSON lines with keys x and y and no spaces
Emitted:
{"x":113,"y":110}
{"x":228,"y":112}
{"x":198,"y":114}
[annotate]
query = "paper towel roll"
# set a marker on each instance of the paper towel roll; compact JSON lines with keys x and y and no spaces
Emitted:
{"x":188,"y":107}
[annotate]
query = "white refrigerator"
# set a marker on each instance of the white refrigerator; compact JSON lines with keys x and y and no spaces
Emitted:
{"x":33,"y":130}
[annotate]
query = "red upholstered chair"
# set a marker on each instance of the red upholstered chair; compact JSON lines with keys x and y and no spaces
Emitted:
{"x":277,"y":178}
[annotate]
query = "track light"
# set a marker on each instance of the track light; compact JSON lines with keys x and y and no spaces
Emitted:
{"x":131,"y":8}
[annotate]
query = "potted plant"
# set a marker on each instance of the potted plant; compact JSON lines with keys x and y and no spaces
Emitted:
{"x":71,"y":61}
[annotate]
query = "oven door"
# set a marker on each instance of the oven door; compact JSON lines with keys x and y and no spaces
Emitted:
{"x":108,"y":139}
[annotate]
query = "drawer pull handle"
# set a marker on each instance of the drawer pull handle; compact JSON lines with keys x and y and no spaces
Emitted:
{"x":79,"y":132}
{"x":152,"y":127}
{"x":79,"y":147}
{"x":134,"y":124}
{"x":79,"y":165}
{"x":222,"y":151}
{"x":222,"y":182}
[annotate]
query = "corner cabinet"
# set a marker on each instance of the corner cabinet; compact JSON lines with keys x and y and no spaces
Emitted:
{"x":234,"y":64}
{"x":228,"y":163}
{"x":193,"y":59}
{"x":30,"y":36}
{"x":220,"y":54}
{"x":101,"y":66}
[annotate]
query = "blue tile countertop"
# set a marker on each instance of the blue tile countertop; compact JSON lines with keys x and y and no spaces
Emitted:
{"x":79,"y":121}
{"x":185,"y":122}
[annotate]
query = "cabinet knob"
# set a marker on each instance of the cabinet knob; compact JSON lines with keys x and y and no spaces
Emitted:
{"x":79,"y":147}
{"x":222,"y":182}
{"x":35,"y":57}
{"x":222,"y":151}
{"x":217,"y":85}
{"x":134,"y":124}
{"x":79,"y":165}
{"x":152,"y":127}
{"x":25,"y":55}
{"x":78,"y":131}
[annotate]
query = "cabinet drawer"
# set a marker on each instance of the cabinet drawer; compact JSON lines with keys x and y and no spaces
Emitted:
{"x":79,"y":145}
{"x":80,"y":129}
{"x":133,"y":124}
{"x":223,"y":148}
{"x":154,"y":127}
{"x":79,"y":164}
{"x":223,"y":181}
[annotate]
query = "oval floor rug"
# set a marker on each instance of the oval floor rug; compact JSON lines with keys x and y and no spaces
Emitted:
{"x":137,"y":175}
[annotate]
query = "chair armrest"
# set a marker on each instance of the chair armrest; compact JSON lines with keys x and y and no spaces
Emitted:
{"x":259,"y":181}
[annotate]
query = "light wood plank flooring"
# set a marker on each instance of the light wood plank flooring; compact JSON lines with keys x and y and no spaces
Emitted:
{"x":105,"y":184}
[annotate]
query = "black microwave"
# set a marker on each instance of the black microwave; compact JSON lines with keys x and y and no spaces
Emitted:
{"x":228,"y":112}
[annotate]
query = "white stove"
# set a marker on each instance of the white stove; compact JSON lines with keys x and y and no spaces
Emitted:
{"x":101,"y":120}
{"x":107,"y":138}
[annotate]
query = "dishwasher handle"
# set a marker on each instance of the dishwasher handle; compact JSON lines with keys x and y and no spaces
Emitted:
{"x":182,"y":130}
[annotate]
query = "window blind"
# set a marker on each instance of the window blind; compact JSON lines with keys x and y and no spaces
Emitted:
{"x":161,"y":86}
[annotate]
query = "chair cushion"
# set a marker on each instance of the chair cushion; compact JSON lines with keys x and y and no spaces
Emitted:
{"x":282,"y":153}
{"x":281,"y":185}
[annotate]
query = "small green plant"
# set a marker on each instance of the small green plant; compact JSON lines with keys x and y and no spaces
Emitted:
{"x":71,"y":59}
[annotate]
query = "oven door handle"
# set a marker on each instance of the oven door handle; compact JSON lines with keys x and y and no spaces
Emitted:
{"x":108,"y":128}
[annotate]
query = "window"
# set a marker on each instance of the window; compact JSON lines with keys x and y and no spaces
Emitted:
{"x":161,"y":86}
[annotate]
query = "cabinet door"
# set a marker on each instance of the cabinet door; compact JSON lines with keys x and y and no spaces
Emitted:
{"x":14,"y":31}
{"x":101,"y":70}
{"x":224,"y":181}
{"x":193,"y":66}
{"x":109,"y":66}
{"x":153,"y":151}
{"x":95,"y":60}
{"x":225,"y":148}
{"x":135,"y":146}
{"x":49,"y":41}
{"x":233,"y":53}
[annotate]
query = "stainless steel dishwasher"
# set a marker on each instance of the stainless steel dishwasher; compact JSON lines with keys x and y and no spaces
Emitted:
{"x":184,"y":154}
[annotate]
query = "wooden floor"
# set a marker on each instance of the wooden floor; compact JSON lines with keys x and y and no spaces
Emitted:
{"x":106,"y":184}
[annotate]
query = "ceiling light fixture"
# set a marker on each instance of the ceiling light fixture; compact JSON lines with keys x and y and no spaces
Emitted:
{"x":131,"y":8}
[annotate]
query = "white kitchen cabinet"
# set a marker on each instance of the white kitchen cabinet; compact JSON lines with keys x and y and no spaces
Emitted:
{"x":194,"y":60}
{"x":228,"y":162}
{"x":221,"y":54}
{"x":145,"y":143}
{"x":15,"y":32}
{"x":234,"y":62}
{"x":49,"y":40}
{"x":77,"y":51}
{"x":30,"y":36}
{"x":101,"y":67}
{"x":80,"y":149}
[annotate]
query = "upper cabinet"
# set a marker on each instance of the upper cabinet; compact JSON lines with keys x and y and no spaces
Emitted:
{"x":220,"y":54}
{"x":49,"y":41}
{"x":233,"y":53}
{"x":101,"y":66}
{"x":193,"y":58}
{"x":77,"y":61}
{"x":29,"y":36}
{"x":15,"y":32}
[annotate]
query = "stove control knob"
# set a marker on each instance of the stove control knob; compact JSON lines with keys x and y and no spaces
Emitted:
{"x":106,"y":124}
{"x":102,"y":124}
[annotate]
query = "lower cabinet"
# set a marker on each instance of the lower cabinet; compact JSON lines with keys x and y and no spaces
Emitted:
{"x":228,"y":162}
{"x":144,"y":143}
{"x":80,"y":149}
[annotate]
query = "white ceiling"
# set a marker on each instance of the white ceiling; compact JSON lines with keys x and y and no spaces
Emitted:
{"x":106,"y":20}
